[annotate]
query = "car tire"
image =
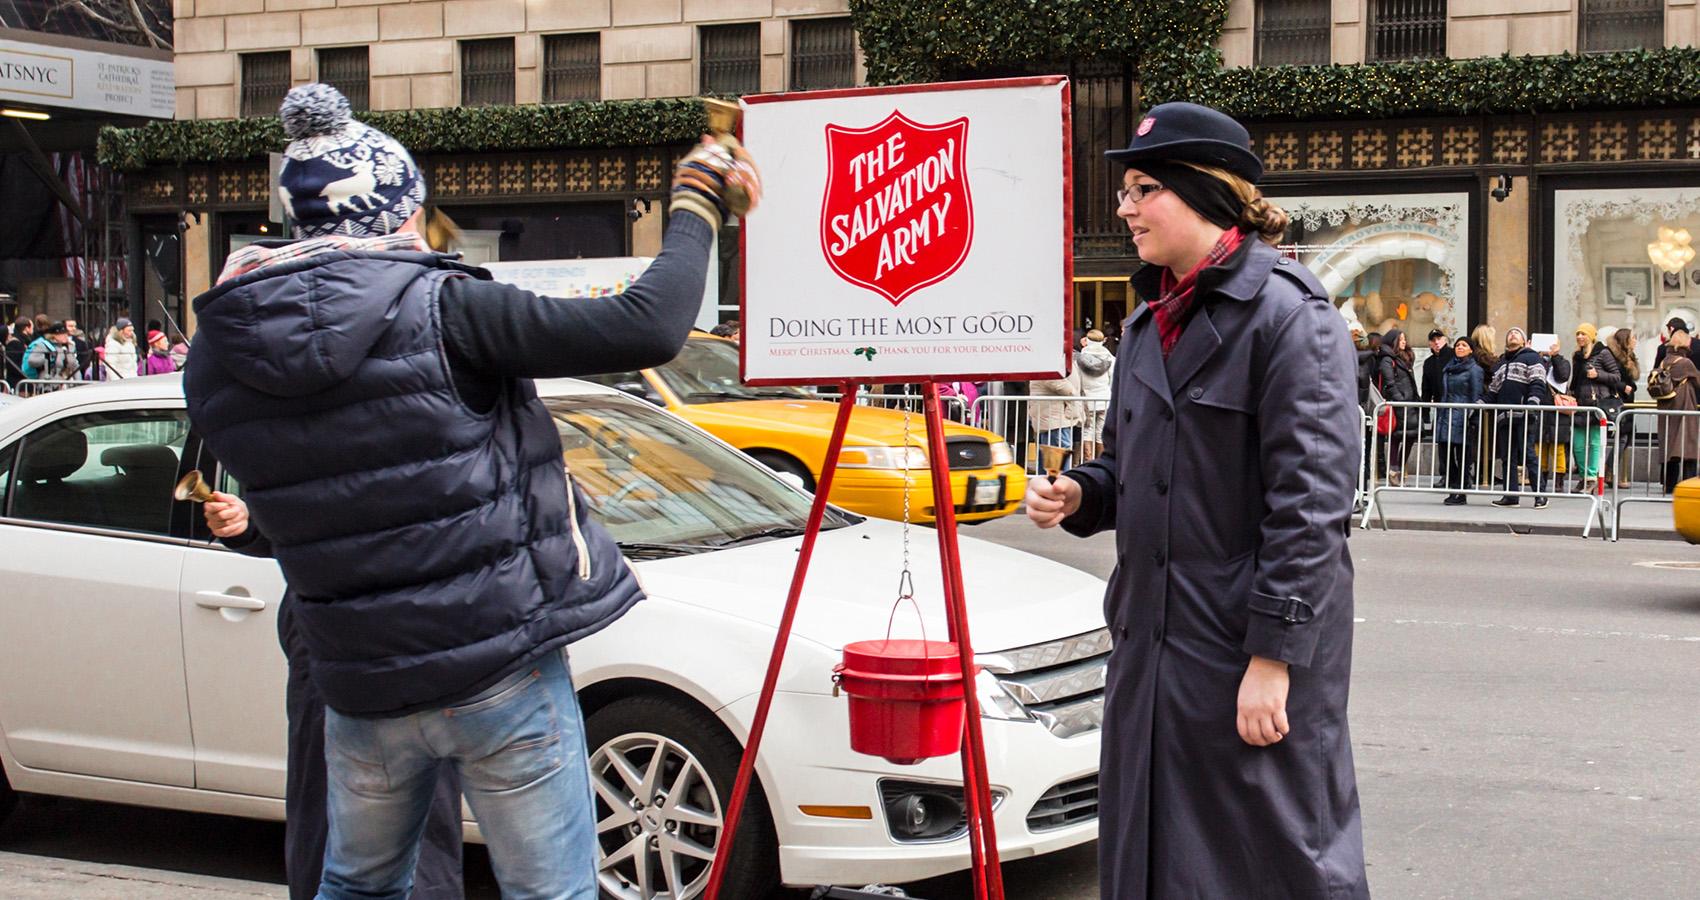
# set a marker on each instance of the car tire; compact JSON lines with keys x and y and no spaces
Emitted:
{"x":8,"y":797}
{"x":780,"y":462}
{"x":687,"y":735}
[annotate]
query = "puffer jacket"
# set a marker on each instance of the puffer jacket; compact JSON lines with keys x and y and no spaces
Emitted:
{"x":456,"y":552}
{"x":1602,"y":389}
{"x":1461,"y":382}
{"x":1097,"y":369}
{"x":1049,"y":415}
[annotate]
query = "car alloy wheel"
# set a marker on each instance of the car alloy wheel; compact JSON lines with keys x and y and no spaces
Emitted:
{"x":658,"y":818}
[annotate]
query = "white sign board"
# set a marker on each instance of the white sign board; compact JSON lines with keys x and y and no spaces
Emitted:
{"x":47,"y":75}
{"x":909,"y":234}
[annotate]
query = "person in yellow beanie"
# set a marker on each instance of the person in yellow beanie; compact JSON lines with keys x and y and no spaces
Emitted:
{"x":1595,"y":380}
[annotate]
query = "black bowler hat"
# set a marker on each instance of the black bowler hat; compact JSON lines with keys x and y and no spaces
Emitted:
{"x":1187,"y":132}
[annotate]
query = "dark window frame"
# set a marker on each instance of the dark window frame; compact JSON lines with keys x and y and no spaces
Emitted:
{"x":1295,"y":37}
{"x":822,"y":54}
{"x":1597,"y":20}
{"x":570,"y":72}
{"x":261,"y":93}
{"x":358,"y":90}
{"x":725,"y":64}
{"x":487,"y":73}
{"x":1401,"y":30}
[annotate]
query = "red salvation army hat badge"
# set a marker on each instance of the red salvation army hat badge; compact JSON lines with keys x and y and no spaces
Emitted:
{"x":897,"y":215}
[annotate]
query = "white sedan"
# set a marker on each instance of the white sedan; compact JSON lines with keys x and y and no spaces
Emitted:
{"x":139,"y":660}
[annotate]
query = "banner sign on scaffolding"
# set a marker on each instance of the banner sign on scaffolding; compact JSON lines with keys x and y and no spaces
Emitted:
{"x":910,"y":233}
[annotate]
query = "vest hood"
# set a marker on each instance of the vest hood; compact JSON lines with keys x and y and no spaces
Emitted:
{"x":294,"y":329}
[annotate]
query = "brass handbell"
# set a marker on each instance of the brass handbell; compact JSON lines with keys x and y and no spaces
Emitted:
{"x":723,"y":119}
{"x":1052,"y":458}
{"x":193,"y":487}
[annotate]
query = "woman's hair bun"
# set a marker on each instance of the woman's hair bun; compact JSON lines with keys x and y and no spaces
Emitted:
{"x":312,"y":110}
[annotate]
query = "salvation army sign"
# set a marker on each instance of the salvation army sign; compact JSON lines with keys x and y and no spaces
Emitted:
{"x":912,"y":233}
{"x":895,"y":235}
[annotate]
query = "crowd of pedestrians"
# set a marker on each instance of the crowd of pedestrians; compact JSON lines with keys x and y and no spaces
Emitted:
{"x":1548,"y":451}
{"x":43,"y":349}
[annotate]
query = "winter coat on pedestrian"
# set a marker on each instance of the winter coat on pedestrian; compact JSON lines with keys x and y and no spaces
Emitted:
{"x":121,"y":360}
{"x":1049,"y":415}
{"x":1097,"y":368}
{"x":1553,"y":427}
{"x":158,"y":362}
{"x":1520,"y":379}
{"x":1393,"y":375}
{"x":1434,"y":373}
{"x":1461,"y":382}
{"x":1366,"y":374}
{"x":1680,"y":435}
{"x":1602,"y":389}
{"x":49,"y":359}
{"x":1227,"y":477}
{"x":16,"y":348}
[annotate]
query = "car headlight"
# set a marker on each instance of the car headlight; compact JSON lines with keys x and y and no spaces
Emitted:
{"x":882,"y":458}
{"x":995,"y":702}
{"x":1002,"y":453}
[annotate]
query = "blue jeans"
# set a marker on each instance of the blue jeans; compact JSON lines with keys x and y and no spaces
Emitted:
{"x":519,"y":747}
{"x":1058,"y":437}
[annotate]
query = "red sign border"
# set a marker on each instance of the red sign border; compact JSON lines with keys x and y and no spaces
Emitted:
{"x":967,"y":200}
{"x":1067,"y":230}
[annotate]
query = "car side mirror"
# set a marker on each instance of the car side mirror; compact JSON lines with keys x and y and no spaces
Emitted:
{"x":640,"y":390}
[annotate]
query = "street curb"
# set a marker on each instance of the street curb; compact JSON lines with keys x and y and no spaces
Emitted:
{"x":1625,"y":534}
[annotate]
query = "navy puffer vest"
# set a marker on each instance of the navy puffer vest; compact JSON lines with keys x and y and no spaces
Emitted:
{"x":432,"y":548}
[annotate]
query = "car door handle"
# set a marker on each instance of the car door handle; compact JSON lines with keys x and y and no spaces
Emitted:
{"x":217,"y":600}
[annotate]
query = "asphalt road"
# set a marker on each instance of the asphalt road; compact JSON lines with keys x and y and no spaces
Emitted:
{"x":1524,"y":712}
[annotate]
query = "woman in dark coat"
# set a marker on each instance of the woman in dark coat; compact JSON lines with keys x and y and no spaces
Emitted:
{"x":1397,"y":384}
{"x":1595,"y":379}
{"x":1227,"y":476}
{"x":1457,"y":430}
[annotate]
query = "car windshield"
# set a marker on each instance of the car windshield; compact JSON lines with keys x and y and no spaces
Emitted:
{"x":706,"y":371}
{"x":663,"y":488}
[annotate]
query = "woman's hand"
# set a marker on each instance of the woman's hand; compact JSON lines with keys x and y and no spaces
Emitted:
{"x":1049,"y":502}
{"x":226,"y":514}
{"x":1263,"y":702}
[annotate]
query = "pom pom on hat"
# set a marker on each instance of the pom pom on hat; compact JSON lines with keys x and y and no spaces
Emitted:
{"x":312,"y":110}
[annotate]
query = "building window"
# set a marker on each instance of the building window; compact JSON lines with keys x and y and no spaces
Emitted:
{"x":572,"y":67}
{"x":823,"y":54}
{"x":1407,"y":29}
{"x":1609,"y":25}
{"x":487,"y":72}
{"x":1293,"y":32}
{"x":265,"y":79}
{"x":731,"y":58}
{"x":346,"y":69}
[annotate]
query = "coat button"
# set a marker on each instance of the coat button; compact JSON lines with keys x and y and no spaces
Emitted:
{"x":1159,"y":557}
{"x":1197,"y":392}
{"x":1162,"y":487}
{"x":1121,"y":632}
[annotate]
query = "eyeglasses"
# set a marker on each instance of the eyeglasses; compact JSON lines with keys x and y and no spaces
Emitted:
{"x":1138,"y":192}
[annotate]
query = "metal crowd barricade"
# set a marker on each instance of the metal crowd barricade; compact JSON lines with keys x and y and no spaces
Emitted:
{"x":30,"y":387}
{"x":954,"y":409}
{"x":1652,"y":464}
{"x":1360,"y":489}
{"x":1009,"y":416}
{"x":1447,"y":456}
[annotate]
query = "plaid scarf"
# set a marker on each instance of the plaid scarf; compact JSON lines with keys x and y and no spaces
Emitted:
{"x":256,"y":256}
{"x":1174,"y":308}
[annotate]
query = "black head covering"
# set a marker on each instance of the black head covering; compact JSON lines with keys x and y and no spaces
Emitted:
{"x":1193,"y":133}
{"x":1209,"y":196}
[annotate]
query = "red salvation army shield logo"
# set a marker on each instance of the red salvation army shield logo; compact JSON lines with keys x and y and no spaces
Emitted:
{"x":897,"y":215}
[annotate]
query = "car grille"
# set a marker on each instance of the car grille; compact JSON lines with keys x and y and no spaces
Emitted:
{"x":1069,"y":803}
{"x":968,"y":452}
{"x":1060,"y":683}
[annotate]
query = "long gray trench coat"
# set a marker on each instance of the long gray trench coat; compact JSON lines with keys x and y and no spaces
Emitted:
{"x":1227,"y":476}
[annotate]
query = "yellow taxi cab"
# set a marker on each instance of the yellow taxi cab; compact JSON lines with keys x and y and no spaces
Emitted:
{"x":1685,"y":509}
{"x":788,"y":428}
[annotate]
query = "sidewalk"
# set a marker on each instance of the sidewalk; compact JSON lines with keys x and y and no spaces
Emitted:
{"x":1564,"y":515}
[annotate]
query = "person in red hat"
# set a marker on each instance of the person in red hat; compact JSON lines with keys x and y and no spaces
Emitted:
{"x":1226,"y":472}
{"x":158,"y":361}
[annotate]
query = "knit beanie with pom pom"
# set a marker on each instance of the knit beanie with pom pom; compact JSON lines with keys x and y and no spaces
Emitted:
{"x":342,"y":176}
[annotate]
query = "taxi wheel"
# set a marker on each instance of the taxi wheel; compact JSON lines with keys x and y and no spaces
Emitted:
{"x":662,"y":770}
{"x":780,"y":462}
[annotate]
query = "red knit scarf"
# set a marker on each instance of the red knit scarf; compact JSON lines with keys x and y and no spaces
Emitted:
{"x":1174,"y":308}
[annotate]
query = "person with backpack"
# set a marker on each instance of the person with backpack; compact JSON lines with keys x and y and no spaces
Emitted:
{"x":51,"y":356}
{"x":1673,"y":385}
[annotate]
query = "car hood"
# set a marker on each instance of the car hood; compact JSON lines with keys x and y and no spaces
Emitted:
{"x":1015,"y":599}
{"x":870,"y":426}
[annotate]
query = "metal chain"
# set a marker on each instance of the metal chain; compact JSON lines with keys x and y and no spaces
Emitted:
{"x":905,"y":582}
